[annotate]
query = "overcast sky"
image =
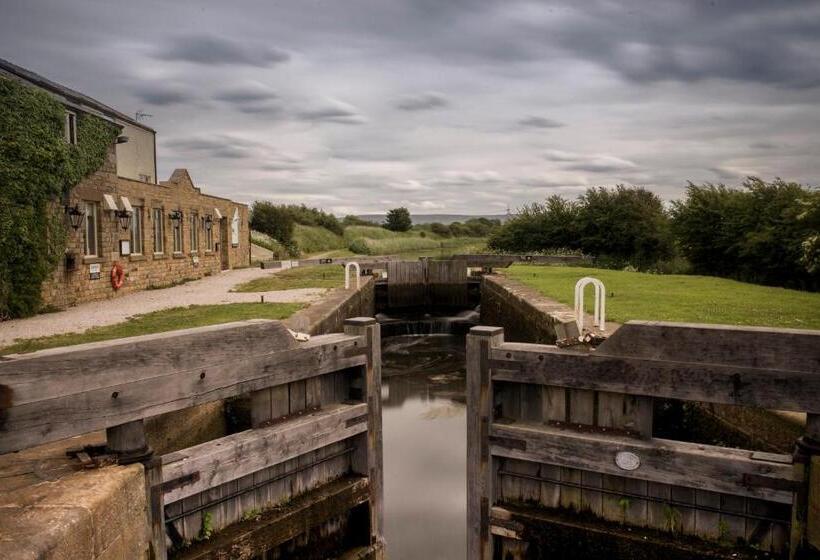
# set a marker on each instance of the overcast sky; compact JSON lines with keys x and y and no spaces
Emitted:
{"x":457,"y":106}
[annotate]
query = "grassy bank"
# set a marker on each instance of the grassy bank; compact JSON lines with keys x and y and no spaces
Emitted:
{"x":316,"y":239}
{"x":680,"y":298}
{"x":370,"y":240}
{"x":300,"y":277}
{"x":161,"y":321}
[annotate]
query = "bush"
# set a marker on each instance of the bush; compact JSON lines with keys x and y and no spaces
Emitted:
{"x":761,"y":233}
{"x":551,"y":226}
{"x":440,"y":229}
{"x":398,"y":219}
{"x":351,"y":220}
{"x":624,"y":224}
{"x":275,"y":221}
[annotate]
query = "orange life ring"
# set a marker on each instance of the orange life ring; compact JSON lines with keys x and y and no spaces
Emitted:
{"x":117,"y":276}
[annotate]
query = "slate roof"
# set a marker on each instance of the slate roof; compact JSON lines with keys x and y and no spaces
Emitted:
{"x":80,"y":100}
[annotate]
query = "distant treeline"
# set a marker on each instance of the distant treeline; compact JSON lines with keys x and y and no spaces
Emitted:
{"x":763,"y":232}
{"x":278,"y":222}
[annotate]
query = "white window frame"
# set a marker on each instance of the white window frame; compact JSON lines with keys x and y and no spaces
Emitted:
{"x":70,"y":127}
{"x":235,"y":228}
{"x":137,"y":228}
{"x":92,"y":226}
{"x":194,"y":221}
{"x":158,"y":227}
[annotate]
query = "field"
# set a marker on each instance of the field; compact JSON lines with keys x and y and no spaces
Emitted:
{"x":371,"y":240}
{"x":681,"y":298}
{"x":315,"y":239}
{"x":301,"y":277}
{"x":161,"y":321}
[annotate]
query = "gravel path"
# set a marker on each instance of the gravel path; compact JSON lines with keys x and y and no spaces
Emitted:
{"x":210,"y":290}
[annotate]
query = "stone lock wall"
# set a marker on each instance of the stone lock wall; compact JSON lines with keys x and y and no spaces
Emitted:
{"x":70,"y":287}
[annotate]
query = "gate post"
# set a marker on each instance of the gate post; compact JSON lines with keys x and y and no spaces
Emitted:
{"x":479,"y":417}
{"x":369,"y":328}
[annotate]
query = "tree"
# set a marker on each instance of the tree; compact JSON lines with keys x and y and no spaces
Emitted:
{"x":764,"y":232}
{"x":398,"y":219}
{"x":275,"y":221}
{"x":628,"y":225}
{"x":539,"y":227}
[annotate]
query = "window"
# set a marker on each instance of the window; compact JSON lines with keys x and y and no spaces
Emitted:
{"x":71,"y":127}
{"x":92,"y":235}
{"x":177,"y":225}
{"x":136,"y":231}
{"x":159,"y":231}
{"x":194,"y":232}
{"x":235,"y":228}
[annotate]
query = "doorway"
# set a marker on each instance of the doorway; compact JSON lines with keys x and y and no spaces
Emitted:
{"x":223,"y":244}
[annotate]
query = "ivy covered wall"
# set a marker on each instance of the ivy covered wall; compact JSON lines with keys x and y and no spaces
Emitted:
{"x":37,"y":167}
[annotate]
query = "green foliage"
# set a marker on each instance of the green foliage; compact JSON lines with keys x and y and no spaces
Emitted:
{"x":764,"y":233}
{"x":540,"y":227}
{"x":351,"y":220}
{"x":316,"y":239}
{"x":314,"y":217}
{"x":279,"y":251}
{"x":274,"y":221}
{"x":624,"y":224}
{"x":207,"y":528}
{"x":398,"y":219}
{"x":37,"y":167}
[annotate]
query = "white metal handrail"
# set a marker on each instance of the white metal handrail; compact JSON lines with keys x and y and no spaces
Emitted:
{"x":599,"y":310}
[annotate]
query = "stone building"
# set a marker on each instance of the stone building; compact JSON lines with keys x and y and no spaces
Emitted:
{"x":159,"y":233}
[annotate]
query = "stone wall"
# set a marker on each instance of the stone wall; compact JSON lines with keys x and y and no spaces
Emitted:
{"x":150,"y":268}
{"x":53,"y":509}
{"x":328,"y":315}
{"x":525,"y":314}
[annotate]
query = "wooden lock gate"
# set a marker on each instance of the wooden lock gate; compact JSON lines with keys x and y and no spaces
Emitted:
{"x":552,"y":429}
{"x":313,"y":454}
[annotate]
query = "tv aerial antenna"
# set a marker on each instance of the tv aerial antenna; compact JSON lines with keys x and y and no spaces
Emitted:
{"x":142,"y":115}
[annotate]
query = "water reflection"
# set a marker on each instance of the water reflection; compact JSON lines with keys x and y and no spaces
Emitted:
{"x":424,"y":447}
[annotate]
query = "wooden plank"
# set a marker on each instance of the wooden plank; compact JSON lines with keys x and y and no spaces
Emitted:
{"x":369,"y":329}
{"x":278,"y":526}
{"x":704,"y":382}
{"x":757,"y":347}
{"x":52,"y":373}
{"x":155,"y":509}
{"x":718,"y":469}
{"x":480,"y":490}
{"x":76,"y":408}
{"x":244,"y":453}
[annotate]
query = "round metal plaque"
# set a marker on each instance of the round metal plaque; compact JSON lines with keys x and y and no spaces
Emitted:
{"x":627,"y":460}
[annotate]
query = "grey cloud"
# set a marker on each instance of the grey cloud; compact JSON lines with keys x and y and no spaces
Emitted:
{"x":209,"y":49}
{"x":756,"y":41}
{"x":246,"y":94}
{"x":333,"y":112}
{"x":422,"y":102}
{"x":540,"y":122}
{"x":217,"y":146}
{"x":591,"y":163}
{"x":162,"y":95}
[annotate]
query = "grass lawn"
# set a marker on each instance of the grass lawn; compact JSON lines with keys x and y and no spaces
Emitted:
{"x":680,"y":298}
{"x":161,"y":321}
{"x":326,"y":276}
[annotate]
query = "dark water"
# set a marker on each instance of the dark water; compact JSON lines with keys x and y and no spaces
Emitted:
{"x":424,"y":447}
